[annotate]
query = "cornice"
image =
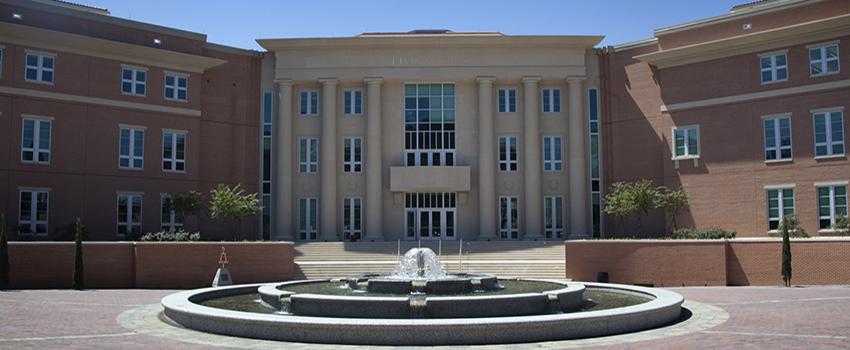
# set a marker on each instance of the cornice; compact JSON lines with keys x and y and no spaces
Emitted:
{"x":560,"y":41}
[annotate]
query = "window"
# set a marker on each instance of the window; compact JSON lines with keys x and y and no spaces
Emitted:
{"x":686,"y":142}
{"x":174,"y":151}
{"x":308,"y":219}
{"x":552,"y":153}
{"x":829,"y":133}
{"x":507,"y":100}
{"x":553,"y":216}
{"x":823,"y":60}
{"x":508,"y":218}
{"x":176,"y":85}
{"x":32,"y":216}
{"x":832,"y":205}
{"x":39,"y":68}
{"x":507,"y":153}
{"x":595,"y":173}
{"x":268,"y":104}
{"x":351,"y":155}
{"x":774,"y":67}
{"x":309,"y":102}
{"x":780,"y":202}
{"x":777,"y":138}
{"x":351,"y":220}
{"x":353,"y":102}
{"x":429,"y":124}
{"x":170,"y":219}
{"x":131,"y":150}
{"x":430,"y":215}
{"x":129,"y":214}
{"x":1,"y":61}
{"x":134,"y":81}
{"x":35,"y":140}
{"x":308,"y":155}
{"x":551,"y":100}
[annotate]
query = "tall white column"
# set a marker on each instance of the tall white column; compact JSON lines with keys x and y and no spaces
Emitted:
{"x":486,"y":160}
{"x":578,"y":160}
{"x":374,"y":166}
{"x":327,"y":164}
{"x":283,"y":163}
{"x":532,"y":163}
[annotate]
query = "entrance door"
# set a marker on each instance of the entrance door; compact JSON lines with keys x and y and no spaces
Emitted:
{"x":433,"y":220}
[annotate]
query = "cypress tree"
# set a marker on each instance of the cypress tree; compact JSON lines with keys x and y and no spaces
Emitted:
{"x":786,"y":251}
{"x":78,"y":255}
{"x":4,"y":254}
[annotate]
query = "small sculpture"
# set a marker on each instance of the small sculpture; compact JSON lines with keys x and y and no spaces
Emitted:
{"x":222,"y":275}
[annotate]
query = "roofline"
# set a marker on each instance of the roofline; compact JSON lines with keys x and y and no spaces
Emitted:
{"x":635,"y":44}
{"x":98,"y":17}
{"x":585,"y":41}
{"x":232,"y":49}
{"x":738,"y":14}
{"x":75,"y":6}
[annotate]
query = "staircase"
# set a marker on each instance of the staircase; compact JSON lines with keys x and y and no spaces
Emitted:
{"x":532,"y":259}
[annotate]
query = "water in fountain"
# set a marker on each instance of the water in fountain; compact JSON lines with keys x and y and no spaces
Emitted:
{"x":419,"y":263}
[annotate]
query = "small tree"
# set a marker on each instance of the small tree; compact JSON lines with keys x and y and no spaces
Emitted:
{"x":185,"y":203}
{"x":630,"y":198}
{"x":787,"y":226}
{"x":4,"y":254}
{"x":674,"y":203}
{"x":842,"y":225}
{"x":78,"y":255}
{"x":232,"y":204}
{"x":617,"y":204}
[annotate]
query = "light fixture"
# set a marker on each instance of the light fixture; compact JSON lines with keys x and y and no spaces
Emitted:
{"x":17,"y":16}
{"x":157,"y":42}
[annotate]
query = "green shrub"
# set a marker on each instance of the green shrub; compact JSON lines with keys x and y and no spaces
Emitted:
{"x":842,"y":225}
{"x":78,"y":255}
{"x":702,"y":233}
{"x":788,"y":226}
{"x":165,"y":236}
{"x":791,"y":223}
{"x":4,"y":254}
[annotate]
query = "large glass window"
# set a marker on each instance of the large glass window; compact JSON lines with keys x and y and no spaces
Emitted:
{"x":553,"y":216}
{"x":829,"y":133}
{"x":777,"y":138}
{"x":551,"y":100}
{"x":832,"y":205}
{"x":430,"y":215}
{"x":308,"y":155}
{"x":552,"y":157}
{"x":131,"y":149}
{"x":134,"y":81}
{"x":429,"y":124}
{"x":351,"y":219}
{"x":352,"y":155}
{"x":33,"y":209}
{"x":35,"y":140}
{"x":267,"y":120}
{"x":780,"y":202}
{"x":507,"y":153}
{"x":308,"y":219}
{"x":686,"y":142}
{"x":129,"y":214}
{"x":176,"y":86}
{"x":595,"y":162}
{"x":353,"y":102}
{"x":170,"y":219}
{"x":508,"y":217}
{"x":774,"y":67}
{"x":174,"y":151}
{"x":507,"y":100}
{"x":823,"y":60}
{"x":309,"y":102}
{"x":39,"y":68}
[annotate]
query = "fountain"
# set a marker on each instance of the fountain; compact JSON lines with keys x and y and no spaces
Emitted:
{"x":421,"y":304}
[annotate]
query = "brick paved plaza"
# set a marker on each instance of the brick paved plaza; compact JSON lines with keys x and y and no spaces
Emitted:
{"x":729,"y":318}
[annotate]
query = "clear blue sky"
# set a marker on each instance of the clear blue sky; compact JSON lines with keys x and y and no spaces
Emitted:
{"x":238,"y":22}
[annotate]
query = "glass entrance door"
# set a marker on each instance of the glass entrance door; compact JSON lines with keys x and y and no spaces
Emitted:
{"x":430,"y":216}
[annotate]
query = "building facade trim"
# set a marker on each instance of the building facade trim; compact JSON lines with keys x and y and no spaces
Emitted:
{"x":99,"y":101}
{"x":755,"y":95}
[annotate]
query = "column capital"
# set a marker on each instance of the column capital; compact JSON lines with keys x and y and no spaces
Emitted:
{"x":328,"y":81}
{"x":531,"y":79}
{"x":284,"y":82}
{"x":576,"y":79}
{"x":373,"y":80}
{"x":485,"y":79}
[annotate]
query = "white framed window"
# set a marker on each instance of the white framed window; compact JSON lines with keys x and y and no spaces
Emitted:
{"x":553,"y":216}
{"x":2,"y":52}
{"x":823,"y":60}
{"x":308,"y":155}
{"x":170,"y":219}
{"x":351,"y":219}
{"x":267,"y":169}
{"x":508,"y":217}
{"x":39,"y":67}
{"x":131,"y":147}
{"x":352,"y":102}
{"x":552,"y":153}
{"x":33,"y":210}
{"x":777,"y":138}
{"x":174,"y":150}
{"x":686,"y":142}
{"x":551,"y":100}
{"x":176,"y":86}
{"x":832,"y":205}
{"x":351,"y":155}
{"x":829,"y":133}
{"x":129,"y":213}
{"x":774,"y":67}
{"x":134,"y":81}
{"x":429,"y":124}
{"x":507,"y":153}
{"x":309,"y":102}
{"x":507,"y":100}
{"x":308,"y":219}
{"x":35,"y":139}
{"x":780,"y":202}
